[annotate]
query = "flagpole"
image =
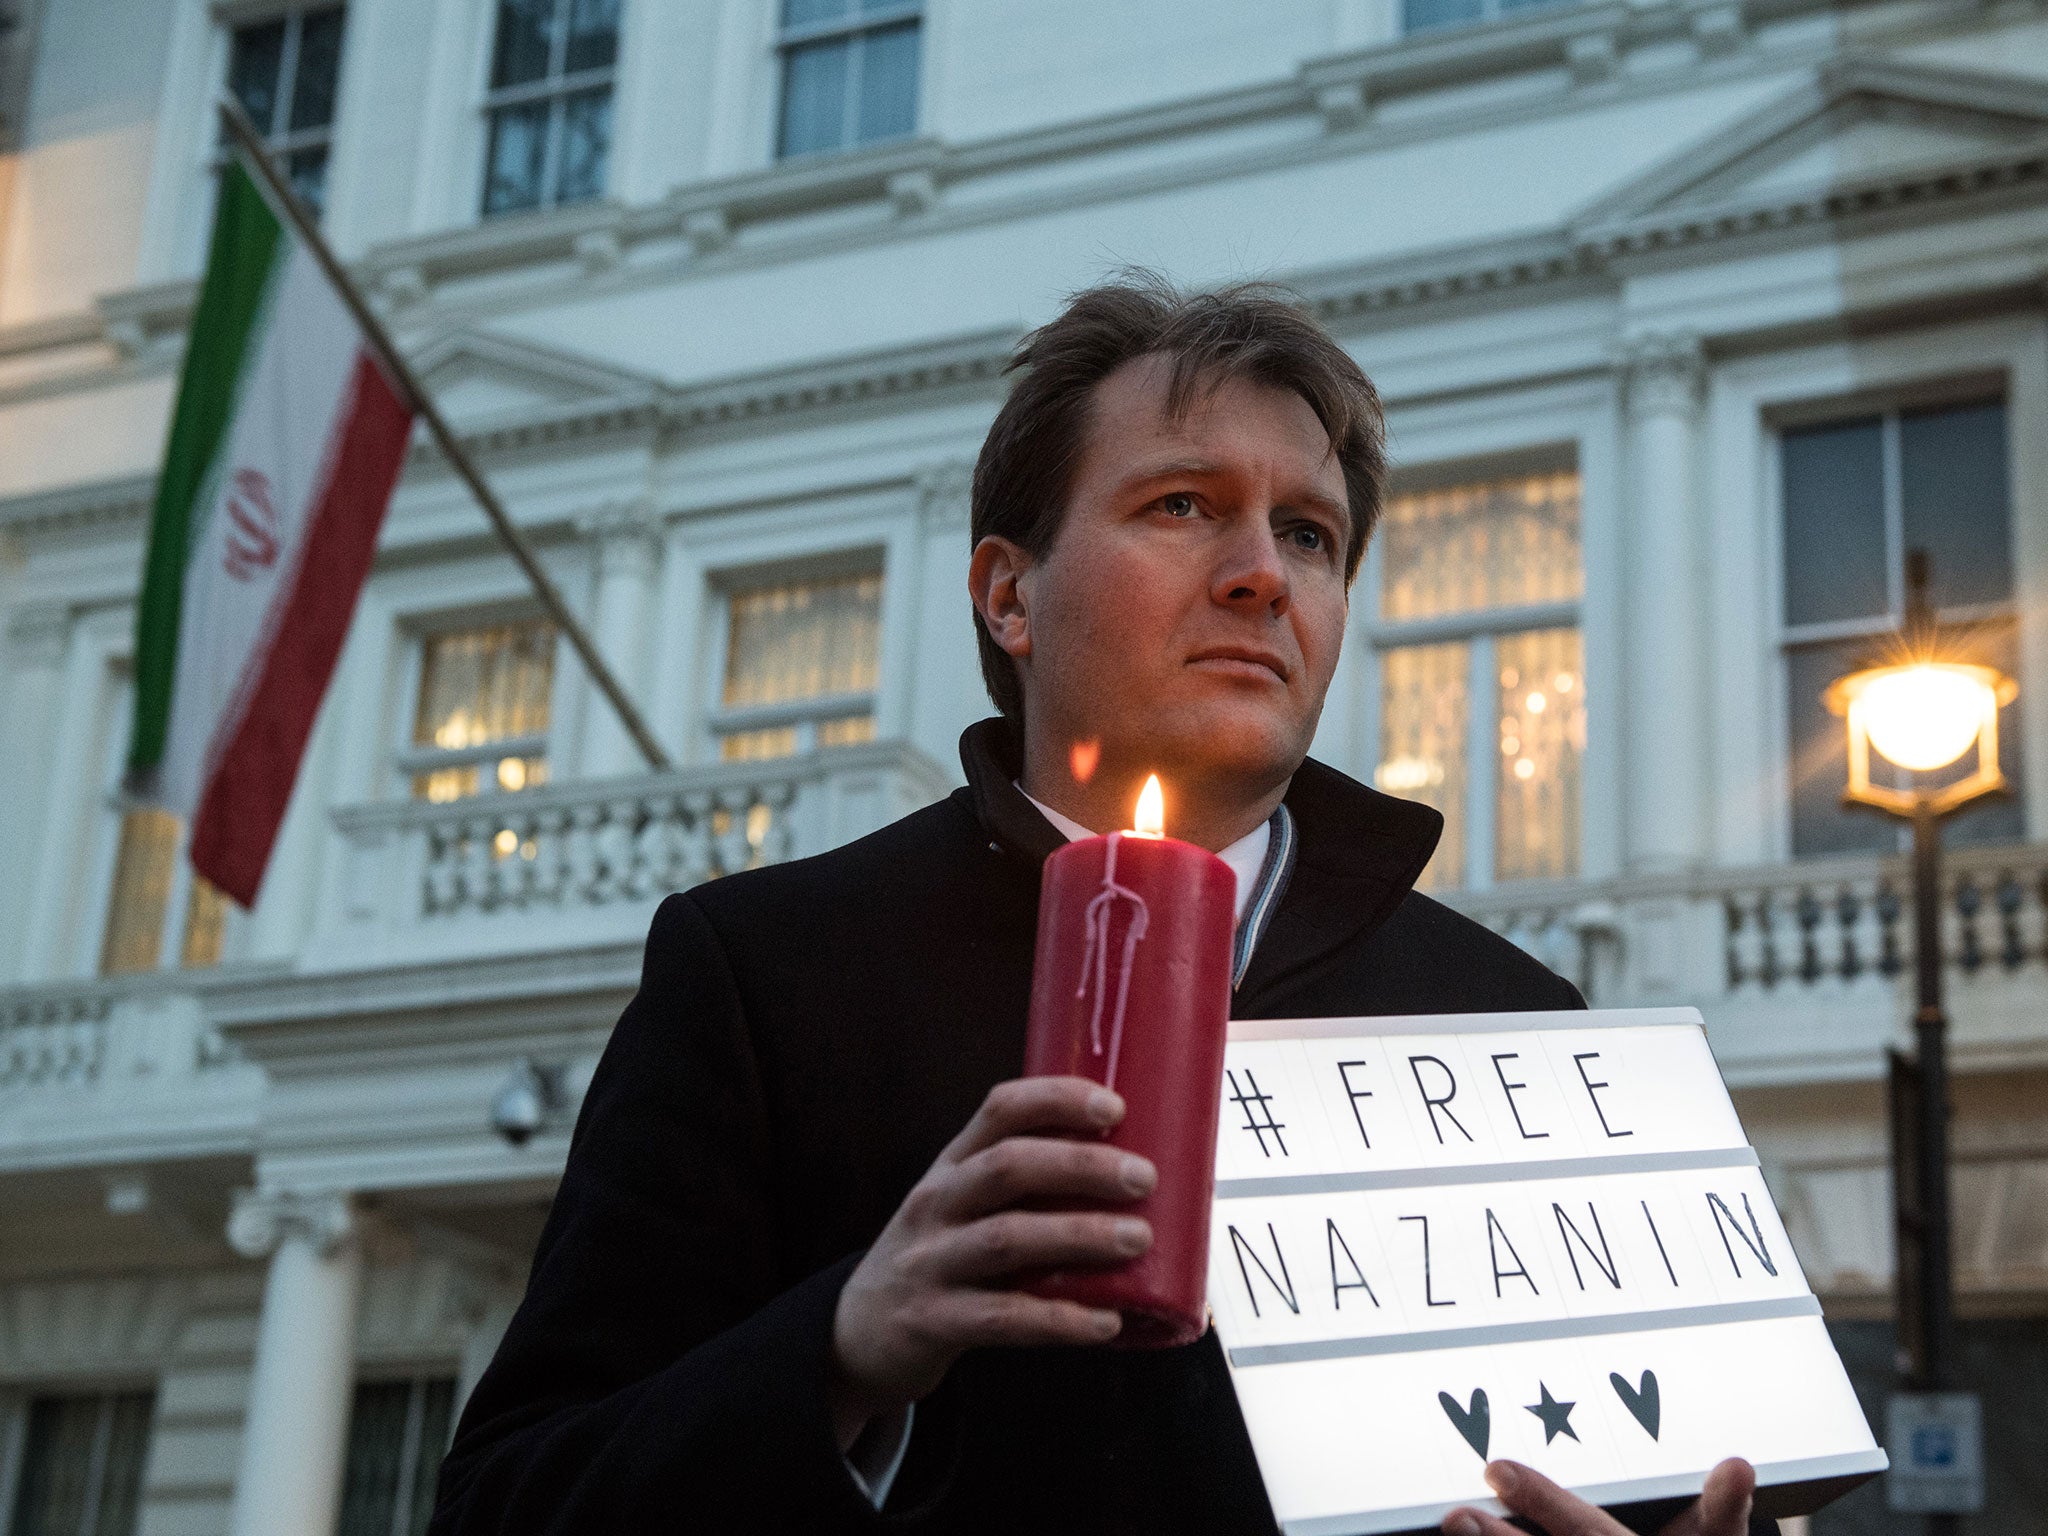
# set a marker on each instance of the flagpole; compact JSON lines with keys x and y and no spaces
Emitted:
{"x":288,"y":203}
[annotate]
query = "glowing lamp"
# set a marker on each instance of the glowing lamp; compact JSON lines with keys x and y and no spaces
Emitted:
{"x":1923,"y":716}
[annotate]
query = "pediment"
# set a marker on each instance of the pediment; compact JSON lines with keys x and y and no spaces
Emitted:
{"x":479,"y":376}
{"x":1857,"y":122}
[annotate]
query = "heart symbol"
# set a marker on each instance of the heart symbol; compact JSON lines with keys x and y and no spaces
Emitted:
{"x":1642,"y":1402}
{"x":1474,"y":1423}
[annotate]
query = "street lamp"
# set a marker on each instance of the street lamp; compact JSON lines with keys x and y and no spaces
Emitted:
{"x":1923,"y":712}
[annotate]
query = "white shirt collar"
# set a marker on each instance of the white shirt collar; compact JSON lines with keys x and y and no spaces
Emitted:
{"x":1246,"y":857}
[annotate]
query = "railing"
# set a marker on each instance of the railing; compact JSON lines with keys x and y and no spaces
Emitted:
{"x":53,"y":1034}
{"x":1809,"y":959}
{"x":583,"y":859}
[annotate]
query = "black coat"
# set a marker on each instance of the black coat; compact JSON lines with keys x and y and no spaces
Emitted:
{"x":805,"y":1040}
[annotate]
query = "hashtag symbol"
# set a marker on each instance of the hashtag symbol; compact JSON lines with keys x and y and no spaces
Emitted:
{"x":1258,"y":1111}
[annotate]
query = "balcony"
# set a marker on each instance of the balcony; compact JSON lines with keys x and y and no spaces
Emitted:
{"x":1803,"y":970}
{"x":582,"y":863}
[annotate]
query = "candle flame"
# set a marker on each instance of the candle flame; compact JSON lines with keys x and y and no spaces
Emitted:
{"x":1151,"y":818}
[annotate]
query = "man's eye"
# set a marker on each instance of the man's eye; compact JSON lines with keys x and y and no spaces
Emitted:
{"x":1177,"y":504}
{"x":1308,"y":536}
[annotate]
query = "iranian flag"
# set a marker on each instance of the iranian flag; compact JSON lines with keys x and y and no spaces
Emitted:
{"x":284,"y":448}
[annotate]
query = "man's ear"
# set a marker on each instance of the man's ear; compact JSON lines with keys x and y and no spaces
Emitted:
{"x":995,"y":581}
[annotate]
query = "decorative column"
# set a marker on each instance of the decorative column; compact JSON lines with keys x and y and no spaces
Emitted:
{"x":1664,"y":692}
{"x":295,"y":1433}
{"x":625,"y":559}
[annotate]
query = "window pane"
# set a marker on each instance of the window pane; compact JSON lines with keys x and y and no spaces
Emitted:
{"x":803,"y":640}
{"x":376,"y":1452}
{"x":253,"y":69}
{"x":593,"y":34}
{"x":1423,"y":720}
{"x":307,"y":171}
{"x":586,"y":140}
{"x":847,"y":731}
{"x":143,"y":867}
{"x":127,"y":1446}
{"x":1835,"y":564}
{"x":206,"y":918}
{"x":804,"y":13}
{"x":1953,"y":483}
{"x":476,"y":687}
{"x":755,"y":746}
{"x":520,"y":52}
{"x":1418,"y":15}
{"x":1819,"y":770}
{"x":814,"y":97}
{"x":888,"y":84}
{"x":519,"y":146}
{"x":482,"y":685}
{"x":319,"y":69}
{"x":1487,"y":545}
{"x":437,"y":1412}
{"x":1542,"y":738}
{"x":82,"y":1454}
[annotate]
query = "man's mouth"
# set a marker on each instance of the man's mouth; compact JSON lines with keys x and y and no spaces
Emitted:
{"x":1247,"y":658}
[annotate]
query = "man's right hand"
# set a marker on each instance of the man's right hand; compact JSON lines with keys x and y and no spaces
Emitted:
{"x":940,"y":1279}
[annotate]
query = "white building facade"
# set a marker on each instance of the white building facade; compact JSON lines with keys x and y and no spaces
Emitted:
{"x":1692,"y":317}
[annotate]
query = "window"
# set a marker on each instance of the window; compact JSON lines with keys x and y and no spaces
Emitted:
{"x":284,"y":72}
{"x":1423,"y":15}
{"x":1858,"y":493}
{"x":81,"y":1465}
{"x":849,"y":73}
{"x":148,"y":875}
{"x":801,"y":660}
{"x":550,"y":103}
{"x":1482,"y":696}
{"x":481,"y":723}
{"x":397,"y":1433}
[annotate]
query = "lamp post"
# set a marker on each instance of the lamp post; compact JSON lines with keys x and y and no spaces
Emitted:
{"x":1923,"y":713}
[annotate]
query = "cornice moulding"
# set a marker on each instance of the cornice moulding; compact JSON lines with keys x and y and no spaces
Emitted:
{"x":97,"y":505}
{"x":705,"y":216}
{"x":457,"y":1009}
{"x":1925,"y":191}
{"x":977,"y":358}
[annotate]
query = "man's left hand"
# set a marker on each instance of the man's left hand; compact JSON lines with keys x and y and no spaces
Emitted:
{"x":1722,"y":1509}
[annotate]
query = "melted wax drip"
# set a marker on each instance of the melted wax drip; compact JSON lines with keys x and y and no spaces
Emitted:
{"x":1095,"y":958}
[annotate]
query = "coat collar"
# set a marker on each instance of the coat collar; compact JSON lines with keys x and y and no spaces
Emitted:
{"x":1360,"y":852}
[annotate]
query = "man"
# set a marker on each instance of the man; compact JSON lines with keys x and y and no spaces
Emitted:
{"x":778,"y":1287}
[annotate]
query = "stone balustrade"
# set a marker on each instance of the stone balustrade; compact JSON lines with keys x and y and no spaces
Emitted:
{"x":581,"y":860}
{"x":1809,"y":960}
{"x":53,"y":1034}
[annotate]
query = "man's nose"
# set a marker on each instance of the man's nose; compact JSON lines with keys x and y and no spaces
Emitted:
{"x":1250,"y":573}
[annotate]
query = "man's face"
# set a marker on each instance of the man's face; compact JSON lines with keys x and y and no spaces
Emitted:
{"x":1189,"y":613}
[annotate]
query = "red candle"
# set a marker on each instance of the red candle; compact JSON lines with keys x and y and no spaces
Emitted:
{"x":1131,"y":987}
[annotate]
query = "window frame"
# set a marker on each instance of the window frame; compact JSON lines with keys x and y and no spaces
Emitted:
{"x":719,"y":720}
{"x":1490,"y":13}
{"x":17,"y":1404}
{"x":407,"y":759}
{"x":418,"y":1376}
{"x":556,"y":87}
{"x":856,"y":23}
{"x":1481,"y":630}
{"x":1889,"y":404}
{"x":284,"y":142}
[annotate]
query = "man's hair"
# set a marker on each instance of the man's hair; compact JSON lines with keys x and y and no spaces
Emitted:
{"x":1247,"y":331}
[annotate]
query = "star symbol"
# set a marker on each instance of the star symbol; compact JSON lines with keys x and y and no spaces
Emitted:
{"x":1556,"y":1416}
